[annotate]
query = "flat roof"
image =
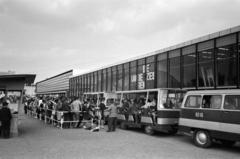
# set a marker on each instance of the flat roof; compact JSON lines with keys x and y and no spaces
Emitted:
{"x":29,"y":78}
{"x":173,"y":47}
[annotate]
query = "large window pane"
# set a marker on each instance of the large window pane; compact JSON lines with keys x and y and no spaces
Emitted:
{"x":95,"y":83}
{"x":126,"y":80}
{"x":189,"y":70}
{"x":162,"y":74}
{"x":120,"y":80}
{"x":92,"y":83}
{"x":206,"y":68}
{"x":99,"y":83}
{"x":133,"y":82}
{"x":104,"y":82}
{"x":227,"y":65}
{"x":114,"y":80}
{"x":174,"y":80}
{"x":150,"y":79}
{"x":109,"y":82}
{"x":141,"y":77}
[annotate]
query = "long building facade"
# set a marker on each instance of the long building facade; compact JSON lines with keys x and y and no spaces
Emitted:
{"x":208,"y":62}
{"x":56,"y":85}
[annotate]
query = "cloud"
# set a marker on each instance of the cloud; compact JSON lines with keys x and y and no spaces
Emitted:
{"x":59,"y":33}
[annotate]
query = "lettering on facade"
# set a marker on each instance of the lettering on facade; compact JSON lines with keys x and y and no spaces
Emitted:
{"x":141,"y":76}
{"x":133,"y":78}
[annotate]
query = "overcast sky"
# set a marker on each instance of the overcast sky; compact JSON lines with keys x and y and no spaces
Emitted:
{"x":49,"y":37}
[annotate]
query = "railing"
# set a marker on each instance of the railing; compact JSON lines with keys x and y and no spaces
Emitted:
{"x":54,"y":117}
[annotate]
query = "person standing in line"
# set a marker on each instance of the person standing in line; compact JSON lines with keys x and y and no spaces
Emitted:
{"x":126,"y":108}
{"x":75,"y":107}
{"x":112,"y":120}
{"x":102,"y":107}
{"x":5,"y":118}
{"x":66,"y":107}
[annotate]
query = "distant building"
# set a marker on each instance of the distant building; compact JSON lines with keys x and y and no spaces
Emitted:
{"x":7,"y":73}
{"x":30,"y":89}
{"x":57,"y":85}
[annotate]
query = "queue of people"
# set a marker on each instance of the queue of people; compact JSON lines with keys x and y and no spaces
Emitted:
{"x":73,"y":112}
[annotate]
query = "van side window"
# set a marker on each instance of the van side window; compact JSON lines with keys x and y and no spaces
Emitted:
{"x":212,"y":101}
{"x":193,"y":102}
{"x":232,"y":102}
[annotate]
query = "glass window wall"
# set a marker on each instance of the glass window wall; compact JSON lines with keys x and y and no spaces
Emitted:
{"x":99,"y":82}
{"x":150,"y":77}
{"x":133,"y":82}
{"x":141,"y":76}
{"x":109,"y":81}
{"x":206,"y":68}
{"x":227,"y":65}
{"x":92,"y":83}
{"x":104,"y":82}
{"x":174,"y":79}
{"x":126,"y":79}
{"x":162,"y":74}
{"x":114,"y":80}
{"x":95,"y":82}
{"x":189,"y":70}
{"x":120,"y":80}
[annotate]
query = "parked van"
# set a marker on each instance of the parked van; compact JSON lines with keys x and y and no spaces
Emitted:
{"x":211,"y":114}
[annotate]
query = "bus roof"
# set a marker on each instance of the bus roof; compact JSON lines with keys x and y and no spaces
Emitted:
{"x":150,"y":90}
{"x":232,"y":91}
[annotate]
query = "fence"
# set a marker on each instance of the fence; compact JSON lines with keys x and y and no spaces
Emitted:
{"x":53,"y":117}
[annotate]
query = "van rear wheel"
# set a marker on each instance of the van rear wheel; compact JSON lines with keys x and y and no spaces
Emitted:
{"x":149,"y":130}
{"x":202,"y":138}
{"x":227,"y":142}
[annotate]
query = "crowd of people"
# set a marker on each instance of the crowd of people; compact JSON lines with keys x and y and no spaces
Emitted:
{"x":72,"y":112}
{"x":76,"y":111}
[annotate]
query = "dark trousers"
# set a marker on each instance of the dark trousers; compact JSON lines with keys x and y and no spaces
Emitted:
{"x":80,"y":121}
{"x":6,"y":128}
{"x":112,"y":123}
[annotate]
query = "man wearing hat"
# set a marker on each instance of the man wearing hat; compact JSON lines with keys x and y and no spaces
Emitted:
{"x":5,"y":117}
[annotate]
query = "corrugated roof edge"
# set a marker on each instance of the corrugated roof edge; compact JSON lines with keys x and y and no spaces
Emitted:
{"x":173,"y":47}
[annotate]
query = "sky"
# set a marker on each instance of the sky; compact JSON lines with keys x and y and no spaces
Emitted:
{"x":49,"y":37}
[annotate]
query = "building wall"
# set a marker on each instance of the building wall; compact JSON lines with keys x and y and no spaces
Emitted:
{"x":55,"y":84}
{"x":208,"y":62}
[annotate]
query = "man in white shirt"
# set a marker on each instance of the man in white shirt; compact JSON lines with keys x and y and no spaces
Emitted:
{"x":75,"y":108}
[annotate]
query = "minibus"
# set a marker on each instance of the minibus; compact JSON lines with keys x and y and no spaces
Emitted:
{"x":168,"y":102}
{"x":211,"y":115}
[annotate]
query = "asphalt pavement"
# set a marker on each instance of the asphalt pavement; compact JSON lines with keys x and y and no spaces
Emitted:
{"x":40,"y":140}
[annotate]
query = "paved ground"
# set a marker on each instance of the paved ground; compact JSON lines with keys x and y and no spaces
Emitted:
{"x":40,"y":140}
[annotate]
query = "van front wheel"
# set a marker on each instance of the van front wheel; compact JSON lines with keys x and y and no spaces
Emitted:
{"x":202,"y":138}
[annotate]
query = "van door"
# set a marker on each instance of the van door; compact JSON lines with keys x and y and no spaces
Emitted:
{"x":230,"y":122}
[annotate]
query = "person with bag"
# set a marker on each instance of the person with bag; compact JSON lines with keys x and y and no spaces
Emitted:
{"x":5,"y":118}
